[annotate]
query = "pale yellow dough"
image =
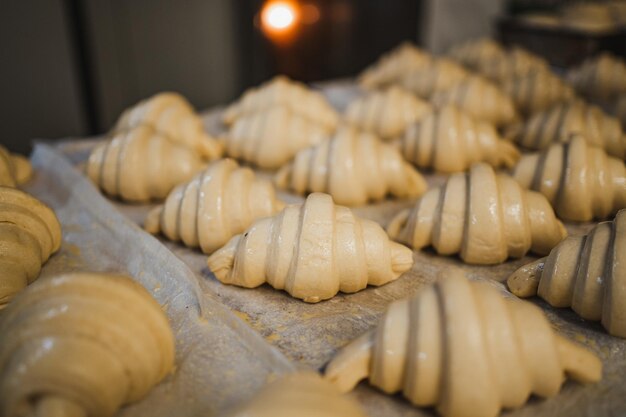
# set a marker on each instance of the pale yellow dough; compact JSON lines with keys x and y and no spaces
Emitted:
{"x":14,"y":169}
{"x":464,"y":349}
{"x":515,"y":62}
{"x":587,"y":273}
{"x":439,"y":75}
{"x":312,"y":251}
{"x":581,"y":181}
{"x":391,"y":66}
{"x":386,"y":113}
{"x":479,"y":98}
{"x":81,"y":345}
{"x":600,"y":78}
{"x":483,"y":216}
{"x":302,"y":394}
{"x":214,"y":206}
{"x":141,"y":165}
{"x":474,"y":53}
{"x":557,"y":124}
{"x":29,"y":233}
{"x":353,"y":167}
{"x":281,"y":91}
{"x":171,"y":115}
{"x":537,"y":91}
{"x":270,"y":138}
{"x":449,"y":140}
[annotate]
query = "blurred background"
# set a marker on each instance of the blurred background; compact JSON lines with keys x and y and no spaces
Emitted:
{"x":71,"y":66}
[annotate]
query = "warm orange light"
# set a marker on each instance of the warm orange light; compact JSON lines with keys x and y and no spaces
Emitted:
{"x":279,"y":16}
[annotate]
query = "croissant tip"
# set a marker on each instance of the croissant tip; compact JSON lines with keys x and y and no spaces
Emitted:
{"x":525,"y":281}
{"x":401,"y":258}
{"x":152,"y":224}
{"x":281,"y":177}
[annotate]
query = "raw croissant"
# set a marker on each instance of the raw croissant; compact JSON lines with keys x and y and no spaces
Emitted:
{"x":475,"y":52}
{"x":14,"y":169}
{"x":171,"y":115}
{"x":437,"y":76}
{"x":271,"y":138}
{"x":29,"y":233}
{"x":449,"y":140}
{"x":484,"y":217}
{"x":214,"y":206}
{"x":463,"y":348}
{"x":281,"y":91}
{"x":516,"y":62}
{"x":312,"y":251}
{"x":302,"y":394}
{"x":479,"y":98}
{"x":353,"y":167}
{"x":600,"y":78}
{"x":386,"y":113}
{"x":586,"y":273}
{"x":81,"y":344}
{"x":140,"y":164}
{"x":537,"y":91}
{"x":559,"y":122}
{"x":581,"y":181}
{"x":404,"y":58}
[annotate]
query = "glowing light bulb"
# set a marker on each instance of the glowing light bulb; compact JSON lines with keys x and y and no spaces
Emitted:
{"x":279,"y":16}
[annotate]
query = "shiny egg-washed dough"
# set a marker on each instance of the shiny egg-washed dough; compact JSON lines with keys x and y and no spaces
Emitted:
{"x":171,"y":115}
{"x":480,"y":98}
{"x":141,"y":165}
{"x":587,"y":273}
{"x":270,"y":138}
{"x":386,"y":113}
{"x":302,"y":394}
{"x":14,"y":169}
{"x":312,"y":250}
{"x":29,"y":233}
{"x":464,"y":349}
{"x":353,"y":167}
{"x":440,"y":75}
{"x":537,"y":91}
{"x":475,"y":52}
{"x":214,"y":206}
{"x":581,"y":181}
{"x":392,"y":65}
{"x":81,"y":345}
{"x":600,"y":78}
{"x":281,"y":91}
{"x":449,"y":140}
{"x":513,"y":63}
{"x":557,"y":124}
{"x":483,"y":216}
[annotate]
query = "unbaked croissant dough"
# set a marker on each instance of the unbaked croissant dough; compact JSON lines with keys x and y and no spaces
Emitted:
{"x":479,"y":98}
{"x":581,"y":181}
{"x":312,"y":251}
{"x":600,"y":78}
{"x":404,"y":58}
{"x":302,"y":394}
{"x":484,"y":217}
{"x":429,"y":79}
{"x":353,"y":167}
{"x":557,"y":124}
{"x":537,"y":91}
{"x":586,"y":273}
{"x":214,"y":206}
{"x":450,"y":140}
{"x":463,"y":348}
{"x":516,"y":62}
{"x":386,"y":113}
{"x":81,"y":344}
{"x":14,"y":169}
{"x":281,"y":91}
{"x":171,"y":115}
{"x":475,"y":52}
{"x":140,"y":164}
{"x":271,"y":138}
{"x":29,"y":233}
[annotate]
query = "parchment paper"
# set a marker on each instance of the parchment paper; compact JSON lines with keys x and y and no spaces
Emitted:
{"x":308,"y":334}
